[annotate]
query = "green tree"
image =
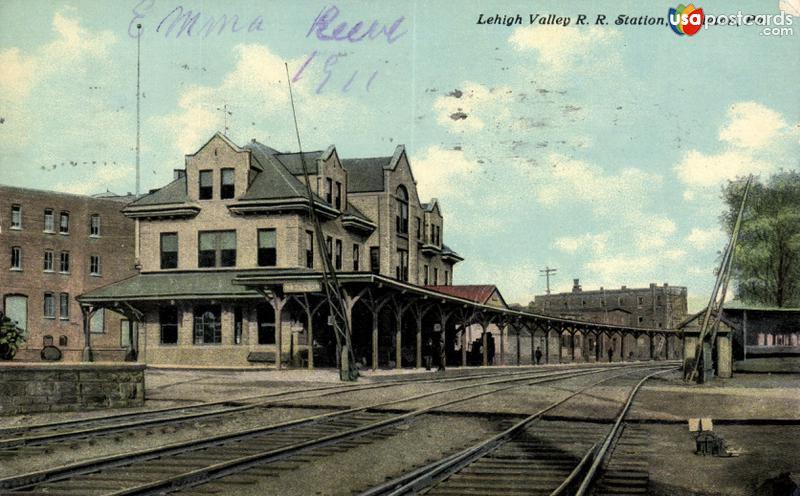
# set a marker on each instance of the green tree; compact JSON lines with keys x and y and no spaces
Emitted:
{"x":766,"y":264}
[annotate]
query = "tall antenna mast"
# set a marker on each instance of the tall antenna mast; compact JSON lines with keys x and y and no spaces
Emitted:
{"x":333,"y":293}
{"x":546,"y":274}
{"x":225,"y":113}
{"x":138,"y":104}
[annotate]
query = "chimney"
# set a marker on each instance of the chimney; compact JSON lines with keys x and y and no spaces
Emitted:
{"x":666,"y":285}
{"x":576,"y":286}
{"x":178,"y":174}
{"x":623,"y":288}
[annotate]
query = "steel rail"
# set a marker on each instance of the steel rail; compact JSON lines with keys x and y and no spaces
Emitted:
{"x":427,"y":475}
{"x":603,"y":451}
{"x":88,"y":466}
{"x":14,"y":442}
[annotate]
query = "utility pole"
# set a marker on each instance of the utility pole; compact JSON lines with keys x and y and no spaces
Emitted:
{"x":338,"y":314}
{"x":546,"y":274}
{"x":138,"y":105}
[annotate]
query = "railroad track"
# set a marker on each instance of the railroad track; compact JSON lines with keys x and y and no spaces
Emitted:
{"x":33,"y":439}
{"x":12,"y":439}
{"x":535,"y":457}
{"x":187,"y":464}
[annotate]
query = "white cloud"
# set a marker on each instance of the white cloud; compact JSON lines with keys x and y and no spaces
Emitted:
{"x":73,"y":44}
{"x":439,"y":171}
{"x":620,"y":269}
{"x":102,"y":179}
{"x":561,"y":48}
{"x":653,"y":231}
{"x":752,"y":125}
{"x":470,"y":107}
{"x":704,"y":238}
{"x":567,"y":180}
{"x":256,"y":92}
{"x":596,"y":242}
{"x":697,"y":169}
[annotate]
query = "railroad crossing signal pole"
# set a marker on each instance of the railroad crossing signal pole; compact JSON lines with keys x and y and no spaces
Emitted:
{"x":546,"y":274}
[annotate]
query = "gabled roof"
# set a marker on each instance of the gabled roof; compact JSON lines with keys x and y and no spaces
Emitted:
{"x":366,"y":174}
{"x":171,"y":194}
{"x":479,"y":293}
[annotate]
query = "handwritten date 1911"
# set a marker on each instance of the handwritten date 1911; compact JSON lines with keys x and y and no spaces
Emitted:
{"x":326,"y":28}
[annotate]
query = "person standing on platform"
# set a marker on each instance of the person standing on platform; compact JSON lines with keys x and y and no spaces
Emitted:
{"x":538,"y":355}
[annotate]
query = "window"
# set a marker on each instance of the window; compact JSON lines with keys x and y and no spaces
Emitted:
{"x":620,"y":300}
{"x":583,"y":303}
{"x":446,"y":278}
{"x":402,"y":267}
{"x":419,"y":228}
{"x":401,"y":219}
{"x":356,"y":256}
{"x":63,"y":265}
{"x":49,"y":306}
{"x":217,"y":249}
{"x":98,"y":323}
{"x":641,"y":319}
{"x":63,"y":223}
{"x":94,"y":225}
{"x":206,"y":191}
{"x":94,"y":265}
{"x":328,"y":190}
{"x":49,"y":220}
{"x":227,"y":188}
{"x":309,"y":249}
{"x":338,"y":258}
{"x":641,"y":300}
{"x":435,"y":234}
{"x":124,"y":333}
{"x":63,"y":340}
{"x":63,"y":306}
{"x":267,"y":254}
{"x":425,"y":271}
{"x":237,"y":325}
{"x":329,"y":246}
{"x":168,"y":321}
{"x":48,"y":261}
{"x":16,"y":308}
{"x":338,"y":198}
{"x":16,"y":258}
{"x":207,"y":324}
{"x":265,"y":316}
{"x":16,"y":216}
{"x":435,"y":276}
{"x":375,"y":259}
{"x":169,"y":250}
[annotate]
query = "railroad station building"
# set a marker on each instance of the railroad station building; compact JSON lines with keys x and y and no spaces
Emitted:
{"x":230,"y":273}
{"x":242,"y":211}
{"x":54,"y":247}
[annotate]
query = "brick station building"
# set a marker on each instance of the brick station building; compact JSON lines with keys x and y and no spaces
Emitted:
{"x":241,"y":211}
{"x":53,"y":247}
{"x":653,"y":307}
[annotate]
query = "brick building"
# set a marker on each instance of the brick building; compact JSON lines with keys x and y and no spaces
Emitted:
{"x":53,"y":247}
{"x":241,"y":211}
{"x":652,"y":307}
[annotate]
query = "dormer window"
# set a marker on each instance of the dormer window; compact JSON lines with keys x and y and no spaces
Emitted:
{"x":401,"y":220}
{"x":206,"y":191}
{"x":227,"y":188}
{"x":329,"y":190}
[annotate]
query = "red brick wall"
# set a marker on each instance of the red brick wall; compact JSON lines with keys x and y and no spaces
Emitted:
{"x":115,"y":246}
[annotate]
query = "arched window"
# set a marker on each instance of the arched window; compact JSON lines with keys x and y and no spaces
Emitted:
{"x":401,"y":220}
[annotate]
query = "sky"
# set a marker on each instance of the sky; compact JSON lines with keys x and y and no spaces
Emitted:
{"x":599,"y":150}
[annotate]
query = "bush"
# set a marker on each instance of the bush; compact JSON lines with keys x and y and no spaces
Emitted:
{"x":11,"y":338}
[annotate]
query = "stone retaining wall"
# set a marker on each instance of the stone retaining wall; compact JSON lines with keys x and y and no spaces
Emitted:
{"x":27,"y":388}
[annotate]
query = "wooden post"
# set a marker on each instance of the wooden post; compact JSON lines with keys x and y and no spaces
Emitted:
{"x":666,"y":347}
{"x":547,"y":344}
{"x":375,"y":339}
{"x":464,"y":344}
{"x":652,"y":345}
{"x":418,"y":319}
{"x":277,"y":305}
{"x":398,"y":341}
{"x":572,"y":347}
{"x":502,"y":327}
{"x":519,"y":345}
{"x":597,"y":347}
{"x":621,"y":346}
{"x":87,"y":313}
